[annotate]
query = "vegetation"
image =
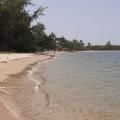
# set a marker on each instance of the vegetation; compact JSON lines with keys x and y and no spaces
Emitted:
{"x":18,"y":35}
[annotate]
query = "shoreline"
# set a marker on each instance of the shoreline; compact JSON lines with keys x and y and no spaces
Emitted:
{"x":19,"y":99}
{"x":20,"y":68}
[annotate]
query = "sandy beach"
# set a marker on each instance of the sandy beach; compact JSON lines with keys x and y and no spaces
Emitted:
{"x":22,"y":98}
{"x":12,"y":65}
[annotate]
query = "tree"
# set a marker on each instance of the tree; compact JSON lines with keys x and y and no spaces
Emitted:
{"x":108,"y":45}
{"x":61,"y":43}
{"x":39,"y":35}
{"x":89,"y":46}
{"x":16,"y":25}
{"x":51,"y":41}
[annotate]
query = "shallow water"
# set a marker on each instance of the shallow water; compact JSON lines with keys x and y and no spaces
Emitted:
{"x":80,"y":86}
{"x":72,"y":86}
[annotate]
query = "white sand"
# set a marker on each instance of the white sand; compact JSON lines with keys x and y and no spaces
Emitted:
{"x":7,"y":57}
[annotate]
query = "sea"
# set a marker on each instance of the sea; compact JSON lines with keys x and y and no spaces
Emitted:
{"x":80,"y":85}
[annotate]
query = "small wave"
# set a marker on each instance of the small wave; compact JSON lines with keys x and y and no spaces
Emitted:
{"x":38,"y":77}
{"x":36,"y":68}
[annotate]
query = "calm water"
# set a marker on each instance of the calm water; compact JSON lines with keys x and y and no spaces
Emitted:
{"x":84,"y":80}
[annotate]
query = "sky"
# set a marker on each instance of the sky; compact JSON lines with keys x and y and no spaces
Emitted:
{"x":95,"y":21}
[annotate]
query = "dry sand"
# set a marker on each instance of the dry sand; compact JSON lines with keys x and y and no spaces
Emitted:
{"x":12,"y":64}
{"x":11,"y":56}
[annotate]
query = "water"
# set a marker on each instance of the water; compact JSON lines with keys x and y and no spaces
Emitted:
{"x":83,"y":82}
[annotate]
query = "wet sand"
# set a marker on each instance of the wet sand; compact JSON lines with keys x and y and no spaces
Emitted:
{"x":11,"y":72}
{"x":28,"y":104}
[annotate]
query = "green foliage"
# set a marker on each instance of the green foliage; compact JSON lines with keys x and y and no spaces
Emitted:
{"x":78,"y":45}
{"x":15,"y":22}
{"x":17,"y":34}
{"x":74,"y":45}
{"x":89,"y":46}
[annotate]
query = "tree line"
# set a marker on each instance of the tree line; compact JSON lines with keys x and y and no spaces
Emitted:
{"x":79,"y":45}
{"x":17,"y":34}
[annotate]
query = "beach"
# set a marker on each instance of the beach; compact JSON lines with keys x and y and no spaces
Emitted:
{"x":13,"y":67}
{"x":37,"y":87}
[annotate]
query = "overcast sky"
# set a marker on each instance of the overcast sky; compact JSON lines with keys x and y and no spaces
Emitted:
{"x":95,"y":21}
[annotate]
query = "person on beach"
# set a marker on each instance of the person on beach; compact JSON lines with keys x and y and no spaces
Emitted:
{"x":54,"y":51}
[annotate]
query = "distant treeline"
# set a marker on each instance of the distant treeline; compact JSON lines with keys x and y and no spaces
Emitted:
{"x":79,"y":45}
{"x":17,"y":34}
